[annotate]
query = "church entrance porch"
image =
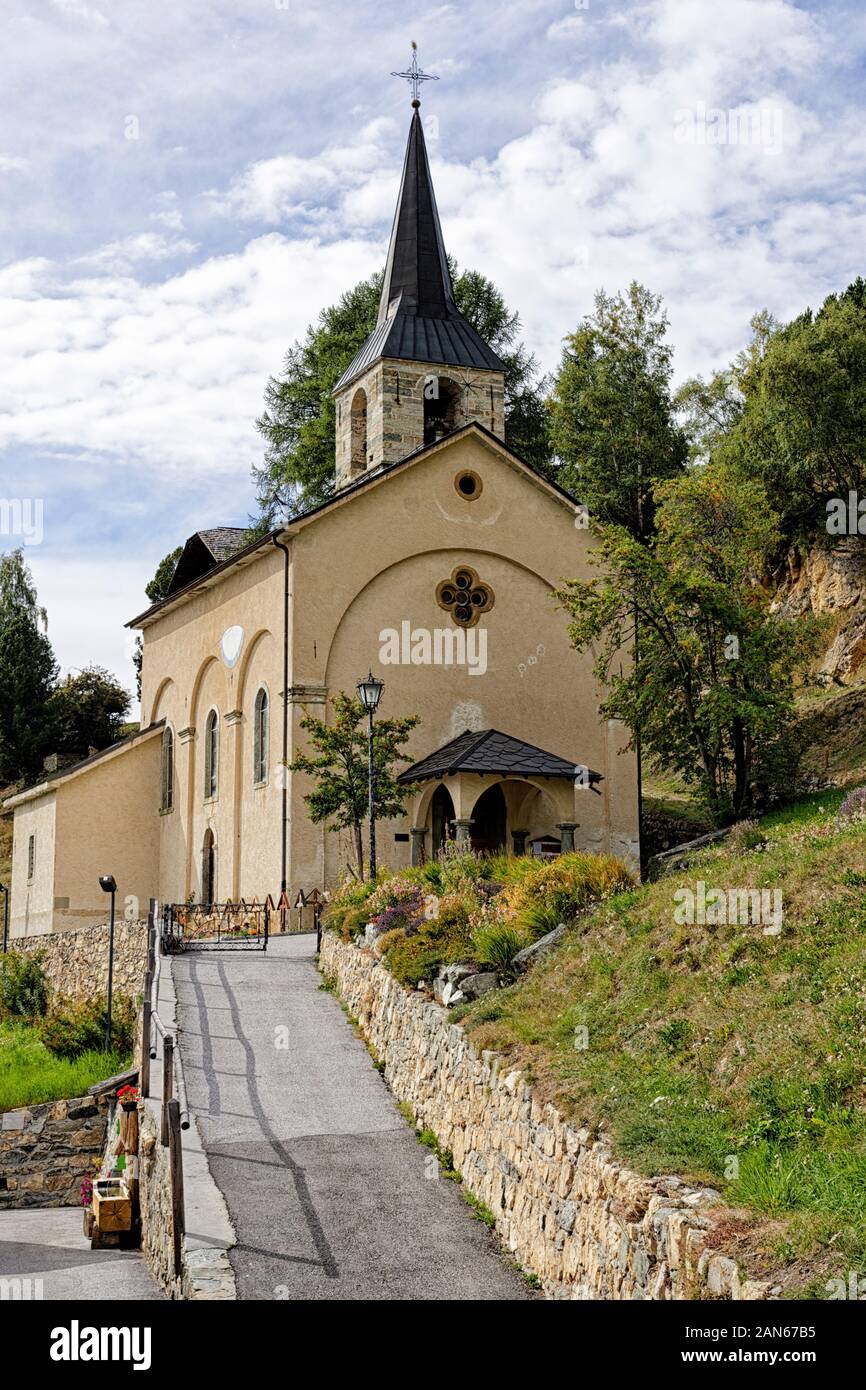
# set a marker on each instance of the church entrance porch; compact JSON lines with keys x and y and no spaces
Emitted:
{"x":495,"y":794}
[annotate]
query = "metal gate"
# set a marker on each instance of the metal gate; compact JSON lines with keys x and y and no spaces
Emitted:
{"x":239,"y":926}
{"x":215,"y":926}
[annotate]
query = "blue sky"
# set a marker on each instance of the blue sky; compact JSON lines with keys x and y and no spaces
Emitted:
{"x":183,"y":187}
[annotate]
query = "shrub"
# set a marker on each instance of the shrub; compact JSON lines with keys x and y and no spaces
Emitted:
{"x":853,"y":808}
{"x":745,"y":835}
{"x":23,"y":985}
{"x":497,"y":943}
{"x":347,"y":911}
{"x":72,"y":1029}
{"x":444,"y":939}
{"x":560,"y":889}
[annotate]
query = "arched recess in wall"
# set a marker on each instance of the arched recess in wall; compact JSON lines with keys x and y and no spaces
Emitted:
{"x":244,"y":750}
{"x":193,"y":764}
{"x":451,"y":556}
{"x":358,"y":424}
{"x":160,"y":699}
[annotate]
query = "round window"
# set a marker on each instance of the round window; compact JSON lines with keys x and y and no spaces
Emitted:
{"x":469,"y":485}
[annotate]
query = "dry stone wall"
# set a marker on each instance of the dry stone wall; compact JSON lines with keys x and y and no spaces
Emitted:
{"x":76,"y":962}
{"x":585,"y":1225}
{"x":46,"y":1150}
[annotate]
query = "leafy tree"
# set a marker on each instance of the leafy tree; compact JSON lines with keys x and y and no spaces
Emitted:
{"x":612,"y":421}
{"x":87,"y":711}
{"x":796,"y":418}
{"x":158,"y":586}
{"x":340,"y":767}
{"x":298,"y":422}
{"x":28,"y":672}
{"x":710,"y":691}
{"x":155,"y":590}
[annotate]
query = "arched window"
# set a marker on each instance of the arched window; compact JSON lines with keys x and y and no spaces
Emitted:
{"x":441,"y":407}
{"x":167,"y":786}
{"x":261,"y":736}
{"x":211,"y":754}
{"x":359,"y":432}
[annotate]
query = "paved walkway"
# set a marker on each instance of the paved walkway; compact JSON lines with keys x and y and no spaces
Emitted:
{"x":49,"y":1245}
{"x":325,"y":1183}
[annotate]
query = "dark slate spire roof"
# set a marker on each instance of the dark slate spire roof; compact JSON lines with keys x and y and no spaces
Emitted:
{"x":418,"y":318}
{"x":489,"y":751}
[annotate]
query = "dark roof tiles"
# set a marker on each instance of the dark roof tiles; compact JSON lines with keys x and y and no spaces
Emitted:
{"x":489,"y":751}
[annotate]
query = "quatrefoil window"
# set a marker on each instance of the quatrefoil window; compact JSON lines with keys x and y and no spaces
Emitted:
{"x":464,"y":596}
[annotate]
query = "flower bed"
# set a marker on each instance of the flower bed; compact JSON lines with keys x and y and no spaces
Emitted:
{"x":476,"y":911}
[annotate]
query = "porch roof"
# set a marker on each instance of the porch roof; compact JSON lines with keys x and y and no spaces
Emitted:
{"x":488,"y":751}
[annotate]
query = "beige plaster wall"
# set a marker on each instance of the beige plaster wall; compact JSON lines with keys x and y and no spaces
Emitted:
{"x":32,"y":900}
{"x":107,"y":823}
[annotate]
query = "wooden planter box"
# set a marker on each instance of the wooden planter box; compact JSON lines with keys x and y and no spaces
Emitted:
{"x":112,"y":1205}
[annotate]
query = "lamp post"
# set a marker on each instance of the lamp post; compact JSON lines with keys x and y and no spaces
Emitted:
{"x":370,"y":691}
{"x":5,"y":891}
{"x":108,"y":885}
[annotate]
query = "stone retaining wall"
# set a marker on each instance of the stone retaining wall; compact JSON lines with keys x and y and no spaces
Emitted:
{"x":46,"y":1150}
{"x":76,"y":962}
{"x":586,"y":1226}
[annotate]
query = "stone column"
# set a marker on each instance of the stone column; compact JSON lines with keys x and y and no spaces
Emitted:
{"x":416,"y":853}
{"x":518,"y":841}
{"x":567,"y":827}
{"x":461,"y":827}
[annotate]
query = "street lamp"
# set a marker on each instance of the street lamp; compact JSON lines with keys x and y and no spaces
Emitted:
{"x":108,"y":885}
{"x":370,"y":691}
{"x":5,"y":891}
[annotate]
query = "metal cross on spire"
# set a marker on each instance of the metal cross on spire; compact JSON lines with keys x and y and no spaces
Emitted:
{"x":414,"y":76}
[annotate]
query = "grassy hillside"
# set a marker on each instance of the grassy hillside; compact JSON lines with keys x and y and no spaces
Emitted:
{"x":717,"y":1052}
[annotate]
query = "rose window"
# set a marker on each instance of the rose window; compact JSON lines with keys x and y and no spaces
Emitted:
{"x":464,"y":596}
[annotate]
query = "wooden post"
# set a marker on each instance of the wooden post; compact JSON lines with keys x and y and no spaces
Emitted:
{"x":167,"y":1083}
{"x":176,"y":1168}
{"x":144,"y":1064}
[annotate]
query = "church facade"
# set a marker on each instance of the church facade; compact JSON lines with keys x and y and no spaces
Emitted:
{"x":433,"y":566}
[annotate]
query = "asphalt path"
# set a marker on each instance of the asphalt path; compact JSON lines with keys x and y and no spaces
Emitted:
{"x":328,"y":1190}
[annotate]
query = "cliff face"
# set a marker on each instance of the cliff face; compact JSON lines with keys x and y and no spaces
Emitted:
{"x":831,"y":582}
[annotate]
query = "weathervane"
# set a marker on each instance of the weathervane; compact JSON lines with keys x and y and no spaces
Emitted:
{"x":414,"y":76}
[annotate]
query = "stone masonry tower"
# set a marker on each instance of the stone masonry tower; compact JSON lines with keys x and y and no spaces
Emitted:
{"x":423,"y":371}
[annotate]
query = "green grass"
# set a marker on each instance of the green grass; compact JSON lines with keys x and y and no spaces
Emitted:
{"x":713,"y":1051}
{"x":30,"y":1074}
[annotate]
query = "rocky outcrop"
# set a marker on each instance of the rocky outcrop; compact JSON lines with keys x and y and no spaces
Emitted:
{"x":568,"y":1211}
{"x":76,"y":962}
{"x":46,"y":1150}
{"x":831,"y":581}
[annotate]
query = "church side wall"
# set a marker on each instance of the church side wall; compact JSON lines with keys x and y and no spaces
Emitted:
{"x":185,"y":675}
{"x":107,"y":823}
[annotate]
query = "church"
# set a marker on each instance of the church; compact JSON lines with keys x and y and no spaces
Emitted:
{"x":432,"y":566}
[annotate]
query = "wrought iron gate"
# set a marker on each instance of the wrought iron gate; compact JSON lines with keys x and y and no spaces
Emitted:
{"x":215,"y":926}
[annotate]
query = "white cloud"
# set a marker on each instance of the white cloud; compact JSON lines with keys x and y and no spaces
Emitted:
{"x":76,"y":9}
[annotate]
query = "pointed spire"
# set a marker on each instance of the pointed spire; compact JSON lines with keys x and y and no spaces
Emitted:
{"x":418,"y":319}
{"x":416,"y":271}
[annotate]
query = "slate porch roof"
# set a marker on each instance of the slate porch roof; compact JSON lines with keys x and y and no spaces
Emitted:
{"x":488,"y":751}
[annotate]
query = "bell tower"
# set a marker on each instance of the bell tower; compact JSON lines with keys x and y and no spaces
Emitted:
{"x":423,"y":371}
